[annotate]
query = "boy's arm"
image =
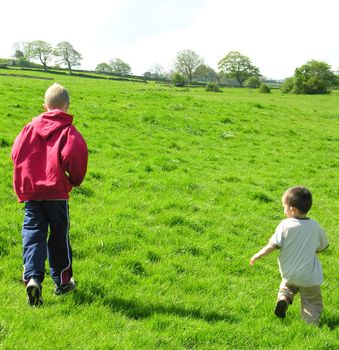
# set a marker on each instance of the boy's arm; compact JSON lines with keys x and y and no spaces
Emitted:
{"x":74,"y":157}
{"x":323,"y":242}
{"x":264,"y":251}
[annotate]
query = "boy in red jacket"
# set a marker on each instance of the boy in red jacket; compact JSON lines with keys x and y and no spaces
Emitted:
{"x":50,"y":157}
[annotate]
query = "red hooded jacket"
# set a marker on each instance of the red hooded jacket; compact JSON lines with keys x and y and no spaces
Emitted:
{"x":50,"y":157}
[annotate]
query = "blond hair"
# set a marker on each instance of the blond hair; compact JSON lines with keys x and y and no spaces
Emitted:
{"x":56,"y":96}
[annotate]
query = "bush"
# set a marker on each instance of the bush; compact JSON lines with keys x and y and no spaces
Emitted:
{"x":178,"y":79}
{"x":213,"y":87}
{"x":23,"y":62}
{"x":252,"y":82}
{"x":265,"y":89}
{"x":287,"y":86}
{"x":314,"y":77}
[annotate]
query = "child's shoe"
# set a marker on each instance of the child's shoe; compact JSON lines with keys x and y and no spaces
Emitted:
{"x":64,"y":289}
{"x":34,"y":292}
{"x":281,"y":308}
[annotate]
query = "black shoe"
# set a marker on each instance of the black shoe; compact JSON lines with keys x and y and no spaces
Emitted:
{"x":64,"y":289}
{"x":281,"y":308}
{"x":34,"y":292}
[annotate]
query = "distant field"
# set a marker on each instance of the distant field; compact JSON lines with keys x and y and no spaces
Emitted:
{"x":183,"y":186}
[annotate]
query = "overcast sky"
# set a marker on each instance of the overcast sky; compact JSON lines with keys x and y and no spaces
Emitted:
{"x":277,"y":35}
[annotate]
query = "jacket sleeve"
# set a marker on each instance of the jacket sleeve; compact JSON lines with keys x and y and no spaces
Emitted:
{"x":74,"y":155}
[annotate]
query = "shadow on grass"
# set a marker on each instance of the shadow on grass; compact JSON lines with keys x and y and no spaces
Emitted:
{"x":331,"y":322}
{"x":136,"y":310}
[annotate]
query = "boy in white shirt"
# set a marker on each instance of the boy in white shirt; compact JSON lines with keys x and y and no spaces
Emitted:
{"x":299,"y":239}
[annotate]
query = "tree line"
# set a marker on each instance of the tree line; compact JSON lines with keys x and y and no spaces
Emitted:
{"x":189,"y":67}
{"x":43,"y":52}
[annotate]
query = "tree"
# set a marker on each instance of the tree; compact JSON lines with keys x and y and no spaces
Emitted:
{"x":239,"y":67}
{"x":187,"y":62}
{"x":148,"y":75}
{"x":20,"y":49}
{"x":68,"y":55}
{"x":103,"y":68}
{"x":20,"y":54}
{"x":314,"y":77}
{"x":120,"y":67}
{"x":220,"y":76}
{"x":206,"y":74}
{"x":287,"y":86}
{"x":40,"y":50}
{"x":20,"y":59}
{"x":157,"y":71}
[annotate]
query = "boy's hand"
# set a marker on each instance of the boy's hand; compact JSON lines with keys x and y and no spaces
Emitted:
{"x":264,"y":251}
{"x":253,"y":259}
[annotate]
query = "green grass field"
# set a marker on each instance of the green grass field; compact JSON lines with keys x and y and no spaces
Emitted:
{"x":183,"y":186}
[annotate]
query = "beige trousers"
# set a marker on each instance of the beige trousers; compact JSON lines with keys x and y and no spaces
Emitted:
{"x":311,"y":300}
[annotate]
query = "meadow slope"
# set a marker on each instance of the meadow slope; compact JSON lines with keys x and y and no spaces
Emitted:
{"x":183,"y":186}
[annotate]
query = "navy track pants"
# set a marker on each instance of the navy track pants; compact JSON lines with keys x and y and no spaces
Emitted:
{"x":38,"y":245}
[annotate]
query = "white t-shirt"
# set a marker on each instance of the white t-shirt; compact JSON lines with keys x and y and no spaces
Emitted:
{"x":299,"y":240}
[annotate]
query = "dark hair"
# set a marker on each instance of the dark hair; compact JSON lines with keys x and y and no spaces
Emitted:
{"x":299,"y":197}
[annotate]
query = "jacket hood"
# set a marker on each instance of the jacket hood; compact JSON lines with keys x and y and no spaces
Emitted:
{"x":49,"y":122}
